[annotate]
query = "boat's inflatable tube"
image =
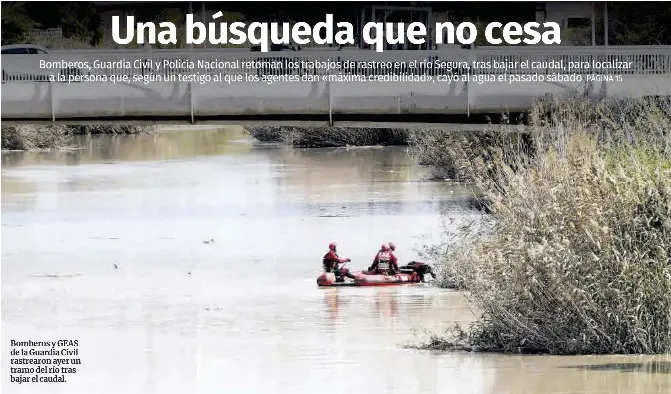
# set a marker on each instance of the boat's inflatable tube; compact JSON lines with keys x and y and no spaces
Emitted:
{"x":413,"y":272}
{"x":328,"y":279}
{"x":363,"y":279}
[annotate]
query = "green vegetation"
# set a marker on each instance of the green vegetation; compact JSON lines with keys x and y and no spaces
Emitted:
{"x":79,"y":22}
{"x":576,"y":255}
{"x":15,"y":23}
{"x":50,"y":136}
{"x":631,"y":24}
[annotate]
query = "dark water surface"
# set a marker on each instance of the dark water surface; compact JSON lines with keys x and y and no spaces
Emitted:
{"x":243,"y":314}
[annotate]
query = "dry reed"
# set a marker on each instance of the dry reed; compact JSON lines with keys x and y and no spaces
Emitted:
{"x":52,"y":136}
{"x":576,"y":256}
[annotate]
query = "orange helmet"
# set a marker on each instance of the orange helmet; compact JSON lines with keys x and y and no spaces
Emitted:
{"x":384,"y":248}
{"x":332,"y":246}
{"x":392,"y":246}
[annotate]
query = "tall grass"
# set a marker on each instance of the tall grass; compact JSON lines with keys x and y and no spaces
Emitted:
{"x":576,"y":256}
{"x":461,"y":156}
{"x":26,"y":137}
{"x":52,"y":136}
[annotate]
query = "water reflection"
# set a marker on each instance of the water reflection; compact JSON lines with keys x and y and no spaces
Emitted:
{"x":386,"y":305}
{"x":657,"y":366}
{"x":334,"y":303}
{"x":584,"y":374}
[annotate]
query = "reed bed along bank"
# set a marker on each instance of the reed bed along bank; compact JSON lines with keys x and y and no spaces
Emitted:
{"x":329,"y":137}
{"x":462,"y":156}
{"x":576,"y":255}
{"x":51,"y":136}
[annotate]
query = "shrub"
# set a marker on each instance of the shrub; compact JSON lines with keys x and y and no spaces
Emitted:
{"x":25,"y":137}
{"x":576,"y":256}
{"x":459,"y":156}
{"x":51,"y":136}
{"x":324,"y":137}
{"x":266,"y":133}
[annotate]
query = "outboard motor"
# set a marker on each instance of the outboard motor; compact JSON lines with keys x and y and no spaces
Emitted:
{"x":421,"y":269}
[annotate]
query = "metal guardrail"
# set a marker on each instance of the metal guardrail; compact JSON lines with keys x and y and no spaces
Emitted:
{"x":651,"y":60}
{"x":444,"y":48}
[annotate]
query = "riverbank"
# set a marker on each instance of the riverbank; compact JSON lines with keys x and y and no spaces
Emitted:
{"x":446,"y":153}
{"x":576,"y":256}
{"x":51,"y":136}
{"x":329,"y":137}
{"x":150,"y":211}
{"x":48,"y":136}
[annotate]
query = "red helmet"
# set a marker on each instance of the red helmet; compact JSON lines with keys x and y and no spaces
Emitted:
{"x":332,"y":246}
{"x":384,"y":247}
{"x":392,"y":246}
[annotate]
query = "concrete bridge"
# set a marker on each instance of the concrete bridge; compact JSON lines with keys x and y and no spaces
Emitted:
{"x":326,"y":87}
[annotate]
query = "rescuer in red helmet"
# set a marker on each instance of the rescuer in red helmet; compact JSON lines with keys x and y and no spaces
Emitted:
{"x":384,"y":262}
{"x":331,"y":262}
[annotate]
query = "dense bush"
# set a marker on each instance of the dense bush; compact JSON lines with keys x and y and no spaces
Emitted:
{"x":460,"y":156}
{"x":50,"y":136}
{"x":24,"y":137}
{"x":576,"y":256}
{"x":324,"y":137}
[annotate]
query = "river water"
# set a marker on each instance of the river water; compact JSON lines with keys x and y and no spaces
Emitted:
{"x":242,"y":314}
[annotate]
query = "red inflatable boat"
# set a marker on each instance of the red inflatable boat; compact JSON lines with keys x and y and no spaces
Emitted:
{"x":364,"y":279}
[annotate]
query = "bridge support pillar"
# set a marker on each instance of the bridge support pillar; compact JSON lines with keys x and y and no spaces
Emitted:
{"x":53,"y":101}
{"x":468,"y":97}
{"x":328,"y":92}
{"x":191,"y":99}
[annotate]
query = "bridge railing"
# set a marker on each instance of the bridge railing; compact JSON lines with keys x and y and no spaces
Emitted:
{"x":654,"y":60}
